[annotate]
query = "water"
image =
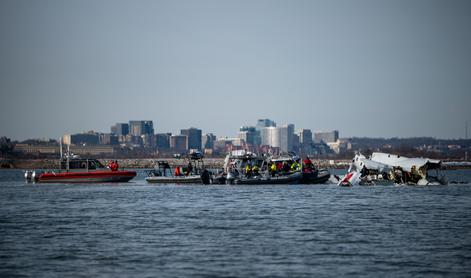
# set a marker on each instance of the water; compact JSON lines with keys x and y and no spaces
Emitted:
{"x":141,"y":230}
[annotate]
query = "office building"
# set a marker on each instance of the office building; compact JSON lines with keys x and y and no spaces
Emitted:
{"x":89,"y":138}
{"x":250,"y":135}
{"x":286,"y":138}
{"x":179,"y":143}
{"x":327,"y":136}
{"x":208,"y":140}
{"x":305,"y":136}
{"x":271,"y":136}
{"x":120,"y":129}
{"x":194,"y":138}
{"x":262,"y":123}
{"x":163,"y":141}
{"x":108,"y":139}
{"x":138,"y":128}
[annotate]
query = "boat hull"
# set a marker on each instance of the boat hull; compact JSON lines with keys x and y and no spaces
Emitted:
{"x":86,"y":177}
{"x":168,"y":180}
{"x":288,"y":179}
{"x":317,"y":177}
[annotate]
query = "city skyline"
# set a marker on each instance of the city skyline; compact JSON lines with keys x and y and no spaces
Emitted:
{"x":367,"y":68}
{"x":234,"y":133}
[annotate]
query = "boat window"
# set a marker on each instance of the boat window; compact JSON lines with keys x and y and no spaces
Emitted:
{"x":91,"y":165}
{"x":77,"y":164}
{"x":98,"y":164}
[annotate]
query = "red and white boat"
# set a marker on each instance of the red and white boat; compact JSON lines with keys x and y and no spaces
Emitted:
{"x":80,"y":170}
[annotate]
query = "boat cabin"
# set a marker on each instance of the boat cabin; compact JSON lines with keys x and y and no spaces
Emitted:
{"x":81,"y":164}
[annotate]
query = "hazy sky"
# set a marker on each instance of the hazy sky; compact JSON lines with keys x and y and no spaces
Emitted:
{"x":366,"y":68}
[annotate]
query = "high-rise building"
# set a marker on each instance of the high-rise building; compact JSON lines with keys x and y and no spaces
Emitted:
{"x":208,"y":140}
{"x":148,"y":140}
{"x":305,"y":136}
{"x":194,"y":137}
{"x":327,"y":136}
{"x":138,"y":128}
{"x":120,"y":129}
{"x":262,"y":123}
{"x":250,"y":135}
{"x":279,"y":137}
{"x":305,"y":142}
{"x":108,"y":139}
{"x":179,"y":143}
{"x":163,"y":141}
{"x":286,"y":137}
{"x":271,"y":136}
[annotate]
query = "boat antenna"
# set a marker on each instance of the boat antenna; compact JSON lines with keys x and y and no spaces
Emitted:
{"x":68,"y":157}
{"x":60,"y":150}
{"x":60,"y":146}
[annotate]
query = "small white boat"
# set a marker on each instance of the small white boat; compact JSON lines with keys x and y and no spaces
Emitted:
{"x":193,"y":179}
{"x":194,"y":173}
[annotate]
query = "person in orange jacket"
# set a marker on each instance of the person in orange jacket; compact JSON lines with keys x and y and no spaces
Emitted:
{"x":177,"y":171}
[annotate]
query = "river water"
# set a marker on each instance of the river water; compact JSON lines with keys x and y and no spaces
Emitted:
{"x":141,"y":230}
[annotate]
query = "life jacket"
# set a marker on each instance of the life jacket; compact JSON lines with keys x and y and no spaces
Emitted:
{"x":177,"y":171}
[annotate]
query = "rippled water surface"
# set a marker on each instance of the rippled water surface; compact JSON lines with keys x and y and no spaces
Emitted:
{"x":141,"y":230}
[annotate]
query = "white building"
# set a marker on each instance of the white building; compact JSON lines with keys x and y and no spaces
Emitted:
{"x":271,"y":136}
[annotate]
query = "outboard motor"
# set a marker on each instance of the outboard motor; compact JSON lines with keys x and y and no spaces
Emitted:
{"x":28,"y":175}
{"x":33,"y":176}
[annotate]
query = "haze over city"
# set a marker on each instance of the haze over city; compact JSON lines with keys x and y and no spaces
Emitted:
{"x":365,"y":68}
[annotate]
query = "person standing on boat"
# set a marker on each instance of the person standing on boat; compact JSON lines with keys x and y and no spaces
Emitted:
{"x":189,"y":169}
{"x":279,"y":166}
{"x":273,"y":169}
{"x":286,"y":167}
{"x":177,"y":171}
{"x":308,"y":166}
{"x":255,"y":170}
{"x":248,"y":170}
{"x":114,"y":166}
{"x":295,"y":166}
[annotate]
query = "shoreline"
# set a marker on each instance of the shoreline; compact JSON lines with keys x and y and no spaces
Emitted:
{"x":147,"y":163}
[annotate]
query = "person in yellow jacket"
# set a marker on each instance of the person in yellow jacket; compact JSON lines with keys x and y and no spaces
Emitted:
{"x":248,"y":170}
{"x":295,"y":166}
{"x":255,"y":170}
{"x":273,"y":169}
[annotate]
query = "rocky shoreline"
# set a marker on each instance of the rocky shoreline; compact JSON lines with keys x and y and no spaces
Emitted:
{"x":146,"y":163}
{"x":213,"y":163}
